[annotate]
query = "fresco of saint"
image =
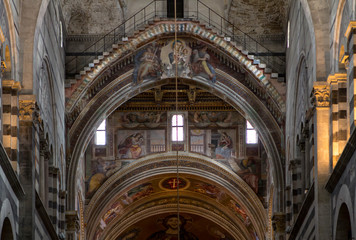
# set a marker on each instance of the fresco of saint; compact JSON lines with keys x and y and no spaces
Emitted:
{"x":224,"y":148}
{"x":147,"y":64}
{"x":172,"y":225}
{"x":131,"y":147}
{"x":201,"y":64}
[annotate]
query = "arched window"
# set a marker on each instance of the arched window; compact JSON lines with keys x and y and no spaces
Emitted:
{"x":177,"y":128}
{"x":251,"y":134}
{"x":100,"y":135}
{"x":343,"y":227}
{"x":6,"y":232}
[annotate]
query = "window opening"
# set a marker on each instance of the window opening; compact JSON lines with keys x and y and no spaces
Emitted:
{"x":288,"y":34}
{"x":100,"y":135}
{"x":251,"y":134}
{"x":180,"y":8}
{"x":177,"y":128}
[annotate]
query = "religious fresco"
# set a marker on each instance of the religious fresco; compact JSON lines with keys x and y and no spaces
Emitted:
{"x":100,"y":171}
{"x":217,"y":135}
{"x":133,"y":144}
{"x":165,"y":226}
{"x":220,"y":144}
{"x":166,"y":59}
{"x":168,"y":184}
{"x":131,"y":120}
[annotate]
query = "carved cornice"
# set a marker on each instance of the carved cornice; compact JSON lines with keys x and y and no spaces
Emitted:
{"x":337,"y":78}
{"x":320,"y":96}
{"x":9,"y":83}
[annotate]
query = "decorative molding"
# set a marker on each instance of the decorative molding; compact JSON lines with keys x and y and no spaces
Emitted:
{"x":337,"y":78}
{"x":9,"y":83}
{"x":320,"y":96}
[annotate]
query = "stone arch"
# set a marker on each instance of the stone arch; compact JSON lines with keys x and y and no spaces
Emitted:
{"x":309,"y":17}
{"x":190,"y":165}
{"x":343,"y":224}
{"x":6,"y":232}
{"x":7,"y":221}
{"x":338,"y":35}
{"x":46,"y":101}
{"x":120,"y":96}
{"x":319,"y":17}
{"x":342,"y":215}
{"x":11,"y":41}
{"x":119,"y":89}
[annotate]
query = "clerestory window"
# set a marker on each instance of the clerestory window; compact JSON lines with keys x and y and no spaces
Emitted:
{"x":251,"y":134}
{"x":100,"y":135}
{"x":177,"y":128}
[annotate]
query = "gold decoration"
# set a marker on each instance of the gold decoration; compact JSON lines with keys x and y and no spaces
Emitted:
{"x":320,"y":96}
{"x":26,"y":109}
{"x":352,"y":25}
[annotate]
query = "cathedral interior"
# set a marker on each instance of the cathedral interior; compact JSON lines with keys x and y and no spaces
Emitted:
{"x":177,"y":119}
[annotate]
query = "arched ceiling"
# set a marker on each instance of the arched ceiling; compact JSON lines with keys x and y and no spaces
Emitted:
{"x":255,"y":17}
{"x":208,"y":190}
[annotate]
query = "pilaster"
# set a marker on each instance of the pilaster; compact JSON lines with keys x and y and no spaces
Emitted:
{"x":10,"y":109}
{"x":27,"y":155}
{"x":339,"y":113}
{"x":321,"y":102}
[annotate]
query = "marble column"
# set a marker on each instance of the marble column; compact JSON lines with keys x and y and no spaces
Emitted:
{"x":321,"y":102}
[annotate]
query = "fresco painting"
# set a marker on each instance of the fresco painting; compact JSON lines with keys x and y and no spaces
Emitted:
{"x":165,"y":226}
{"x":219,"y":144}
{"x":135,"y":144}
{"x":167,"y":184}
{"x":100,"y":170}
{"x":161,"y":60}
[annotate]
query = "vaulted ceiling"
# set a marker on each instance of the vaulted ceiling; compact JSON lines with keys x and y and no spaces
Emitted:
{"x":255,"y":17}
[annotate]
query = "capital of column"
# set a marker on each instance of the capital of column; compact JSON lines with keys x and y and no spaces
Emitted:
{"x":72,"y":221}
{"x":320,"y":96}
{"x":279,"y":222}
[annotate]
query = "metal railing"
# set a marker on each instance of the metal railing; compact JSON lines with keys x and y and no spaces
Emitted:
{"x":157,"y":9}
